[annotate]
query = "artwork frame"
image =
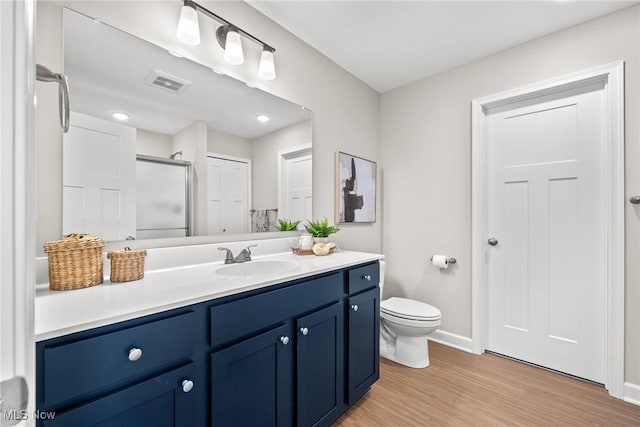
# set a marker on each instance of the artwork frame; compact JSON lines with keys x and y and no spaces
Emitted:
{"x":355,"y":189}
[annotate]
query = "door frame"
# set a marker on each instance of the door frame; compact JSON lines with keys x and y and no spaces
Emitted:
{"x":612,"y":75}
{"x":283,"y":156}
{"x":17,"y":216}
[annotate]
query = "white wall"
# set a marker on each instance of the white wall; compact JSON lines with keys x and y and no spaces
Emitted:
{"x":192,"y":141}
{"x":48,"y":135}
{"x":231,"y":145}
{"x":153,"y":143}
{"x":264,"y":173}
{"x":345,"y":110}
{"x":426,"y":161}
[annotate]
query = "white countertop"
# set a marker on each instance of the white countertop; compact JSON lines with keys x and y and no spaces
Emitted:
{"x":60,"y":313}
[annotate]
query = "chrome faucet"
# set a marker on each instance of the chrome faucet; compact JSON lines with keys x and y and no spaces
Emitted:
{"x":243,"y":256}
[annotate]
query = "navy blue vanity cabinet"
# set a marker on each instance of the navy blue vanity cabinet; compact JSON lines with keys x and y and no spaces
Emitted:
{"x":138,"y":370}
{"x":166,"y":400}
{"x":252,"y":381}
{"x":298,"y":353}
{"x":362,"y":329}
{"x":291,"y":374}
{"x":320,"y":366}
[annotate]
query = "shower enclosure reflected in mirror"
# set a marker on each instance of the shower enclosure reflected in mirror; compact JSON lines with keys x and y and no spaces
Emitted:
{"x":249,"y":151}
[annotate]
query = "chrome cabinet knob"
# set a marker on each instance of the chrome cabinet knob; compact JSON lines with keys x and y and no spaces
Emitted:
{"x":304,"y":331}
{"x":635,"y":200}
{"x":135,"y":354}
{"x":354,"y":307}
{"x":187,"y":386}
{"x":367,"y":277}
{"x":492,"y":241}
{"x":284,"y":340}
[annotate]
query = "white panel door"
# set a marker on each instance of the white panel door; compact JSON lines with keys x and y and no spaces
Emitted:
{"x":227,"y":196}
{"x":298,"y":188}
{"x":99,"y":178}
{"x":546,"y":274}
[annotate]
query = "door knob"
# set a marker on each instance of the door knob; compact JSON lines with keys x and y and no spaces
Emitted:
{"x":635,"y":200}
{"x":304,"y":331}
{"x":492,"y":241}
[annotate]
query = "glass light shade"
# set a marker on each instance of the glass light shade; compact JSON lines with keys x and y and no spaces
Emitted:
{"x":188,"y":29}
{"x":267,"y":68}
{"x":233,"y":48}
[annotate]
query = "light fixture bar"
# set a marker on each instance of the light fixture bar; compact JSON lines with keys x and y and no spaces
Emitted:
{"x":223,"y":21}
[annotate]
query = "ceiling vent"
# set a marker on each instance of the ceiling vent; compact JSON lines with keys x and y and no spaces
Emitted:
{"x":166,"y":81}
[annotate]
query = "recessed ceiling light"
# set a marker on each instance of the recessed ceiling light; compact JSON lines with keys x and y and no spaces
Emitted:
{"x":120,"y":116}
{"x":262,"y":118}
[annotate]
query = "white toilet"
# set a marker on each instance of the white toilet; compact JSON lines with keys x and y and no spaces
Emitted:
{"x":404,"y":326}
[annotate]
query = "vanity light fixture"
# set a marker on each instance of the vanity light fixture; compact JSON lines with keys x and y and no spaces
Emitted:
{"x":267,"y":68}
{"x":263,"y":118}
{"x":188,"y":31}
{"x":228,"y":36}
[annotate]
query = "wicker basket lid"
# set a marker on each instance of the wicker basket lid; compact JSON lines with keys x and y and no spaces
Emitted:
{"x":127,"y":252}
{"x":74,"y":241}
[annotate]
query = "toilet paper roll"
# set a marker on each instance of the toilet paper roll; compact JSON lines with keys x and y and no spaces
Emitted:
{"x":440,"y":261}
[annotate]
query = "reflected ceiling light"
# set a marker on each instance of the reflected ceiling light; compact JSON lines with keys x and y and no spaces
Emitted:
{"x":228,"y":35}
{"x":176,"y":54}
{"x":267,"y":68}
{"x":188,"y":31}
{"x":229,"y":38}
{"x":120,"y":116}
{"x":262,"y":118}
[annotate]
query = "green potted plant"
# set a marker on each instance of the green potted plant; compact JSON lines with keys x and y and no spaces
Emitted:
{"x":287,"y":225}
{"x":320,"y":229}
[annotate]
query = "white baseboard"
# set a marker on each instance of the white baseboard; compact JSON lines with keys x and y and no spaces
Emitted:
{"x":451,"y":340}
{"x":632,"y":393}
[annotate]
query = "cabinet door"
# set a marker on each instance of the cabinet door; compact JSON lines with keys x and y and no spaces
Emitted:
{"x":320,"y":376}
{"x":162,"y":401}
{"x":364,"y":342}
{"x":252,"y":381}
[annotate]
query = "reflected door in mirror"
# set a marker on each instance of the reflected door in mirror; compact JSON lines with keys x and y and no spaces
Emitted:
{"x":227,"y":195}
{"x":298,"y":189}
{"x":99,"y":178}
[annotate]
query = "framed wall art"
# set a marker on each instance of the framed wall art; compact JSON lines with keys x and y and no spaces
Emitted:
{"x":355,"y":193}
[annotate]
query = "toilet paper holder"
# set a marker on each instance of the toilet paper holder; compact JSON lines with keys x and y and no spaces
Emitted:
{"x":451,"y":260}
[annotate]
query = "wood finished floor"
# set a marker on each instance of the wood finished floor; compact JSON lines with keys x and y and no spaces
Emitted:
{"x":462,"y":389}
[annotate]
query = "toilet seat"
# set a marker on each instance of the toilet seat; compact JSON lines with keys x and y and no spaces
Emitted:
{"x":408,"y":309}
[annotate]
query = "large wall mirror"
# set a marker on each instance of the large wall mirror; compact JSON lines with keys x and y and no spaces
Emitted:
{"x":161,"y":146}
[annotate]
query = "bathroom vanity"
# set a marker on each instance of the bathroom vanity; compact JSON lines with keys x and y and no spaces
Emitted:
{"x":295,"y":351}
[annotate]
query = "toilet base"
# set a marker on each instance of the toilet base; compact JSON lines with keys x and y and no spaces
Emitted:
{"x":408,"y":351}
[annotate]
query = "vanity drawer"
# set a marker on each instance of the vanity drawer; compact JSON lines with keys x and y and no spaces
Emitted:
{"x":363,"y":278}
{"x":73,"y":369}
{"x":243,"y":317}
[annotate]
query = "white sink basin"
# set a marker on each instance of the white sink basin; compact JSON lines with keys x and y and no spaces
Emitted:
{"x":255,"y":268}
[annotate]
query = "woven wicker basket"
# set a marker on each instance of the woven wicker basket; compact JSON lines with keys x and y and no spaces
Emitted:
{"x":75,"y":262}
{"x":127,"y":265}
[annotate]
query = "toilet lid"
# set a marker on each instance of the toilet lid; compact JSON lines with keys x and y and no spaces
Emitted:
{"x":409,"y":309}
